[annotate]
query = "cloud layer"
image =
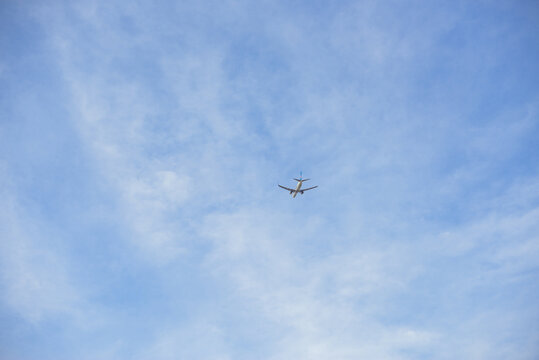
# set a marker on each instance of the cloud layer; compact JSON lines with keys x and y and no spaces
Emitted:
{"x":142,"y":145}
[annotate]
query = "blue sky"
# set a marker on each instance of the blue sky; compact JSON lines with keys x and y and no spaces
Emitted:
{"x":141,"y":145}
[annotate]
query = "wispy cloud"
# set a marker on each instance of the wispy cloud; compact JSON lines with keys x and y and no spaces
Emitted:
{"x":175,"y":125}
{"x":36,"y":281}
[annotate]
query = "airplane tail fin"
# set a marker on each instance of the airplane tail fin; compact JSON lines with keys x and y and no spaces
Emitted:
{"x":301,"y":177}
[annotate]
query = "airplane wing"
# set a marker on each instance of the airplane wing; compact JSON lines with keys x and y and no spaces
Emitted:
{"x":286,"y":188}
{"x":302,"y":190}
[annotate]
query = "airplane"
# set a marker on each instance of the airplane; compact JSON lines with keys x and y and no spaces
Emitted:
{"x":298,"y":188}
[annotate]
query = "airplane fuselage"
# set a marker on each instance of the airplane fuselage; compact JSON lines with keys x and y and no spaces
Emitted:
{"x":298,"y":189}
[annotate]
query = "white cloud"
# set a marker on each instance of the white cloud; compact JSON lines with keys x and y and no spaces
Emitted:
{"x":198,"y":340}
{"x":35,"y":275}
{"x":323,"y":308}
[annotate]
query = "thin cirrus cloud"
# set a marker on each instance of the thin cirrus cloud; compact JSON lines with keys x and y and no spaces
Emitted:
{"x":142,"y":146}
